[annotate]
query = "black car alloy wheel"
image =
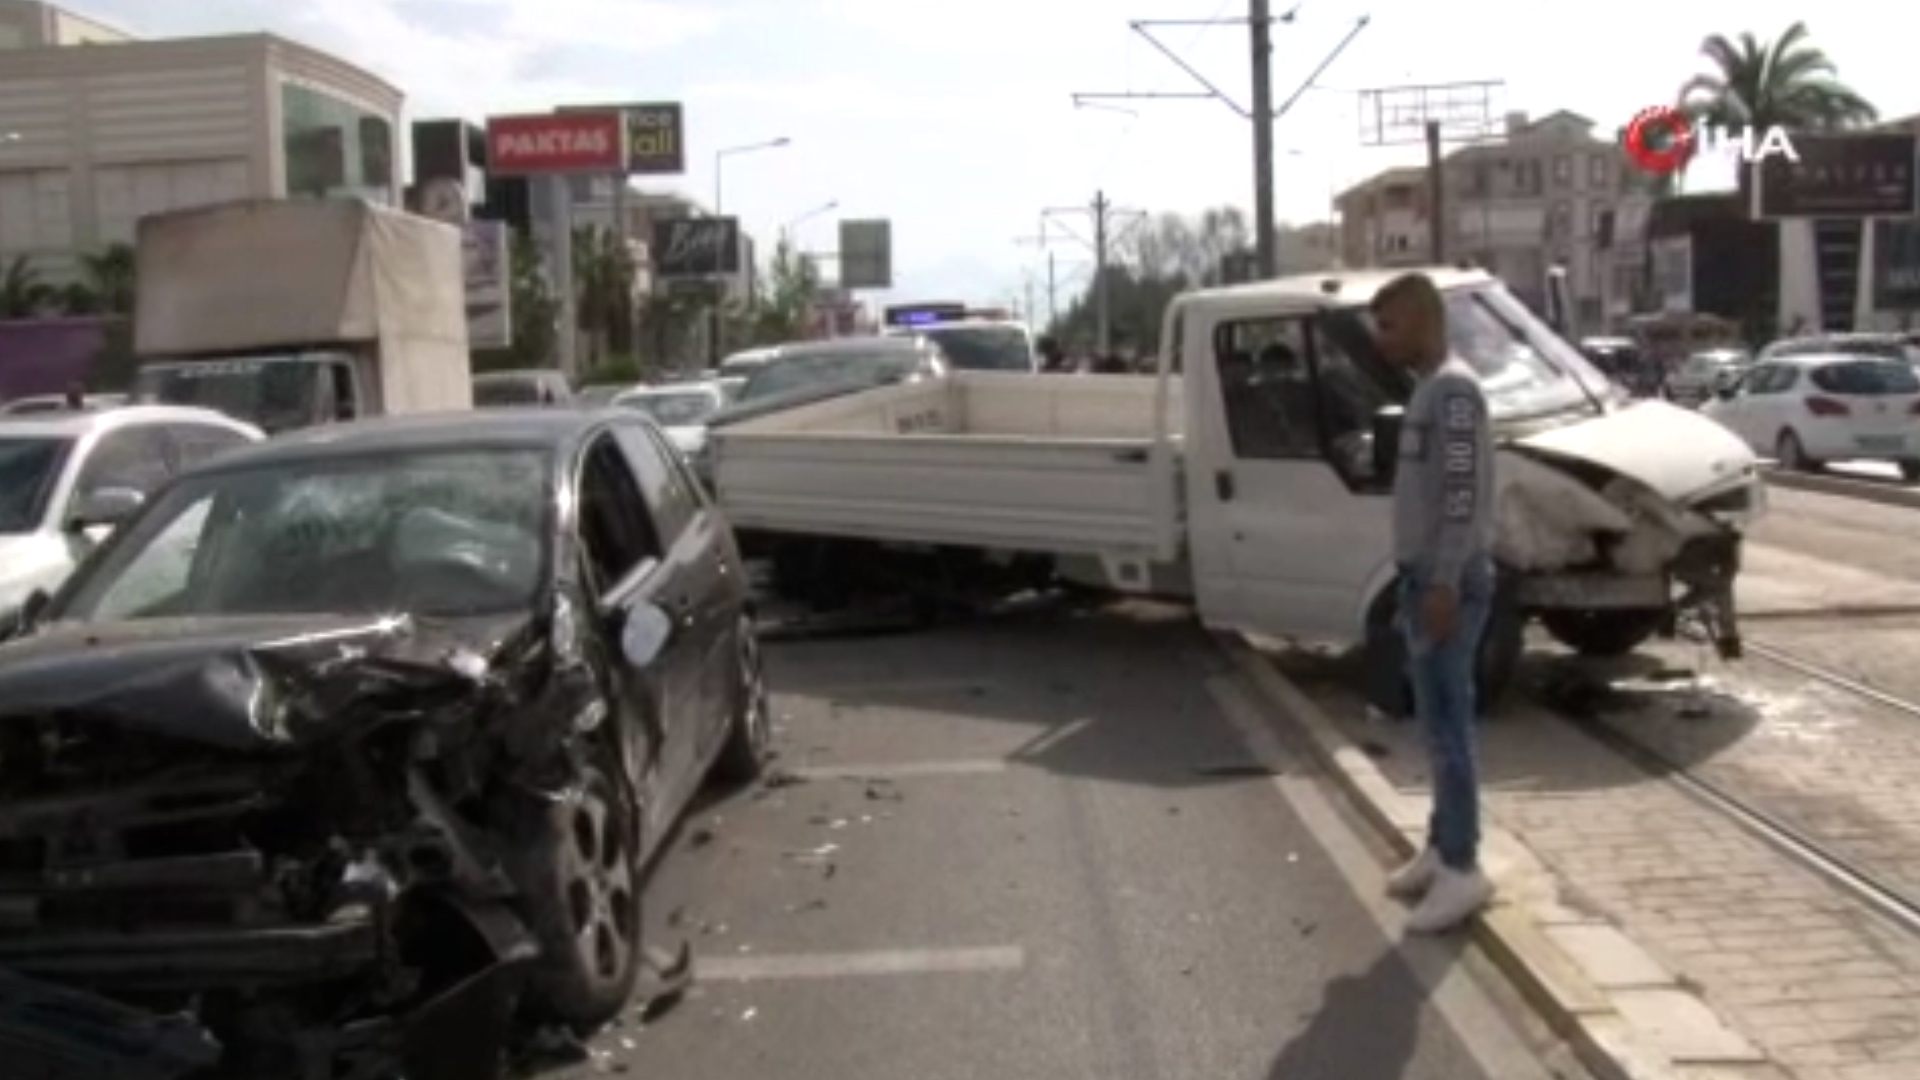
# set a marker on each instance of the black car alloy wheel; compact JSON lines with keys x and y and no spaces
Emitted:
{"x":579,"y":870}
{"x":750,"y":727}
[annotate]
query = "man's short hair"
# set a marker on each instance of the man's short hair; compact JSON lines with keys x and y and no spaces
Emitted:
{"x":1416,"y":289}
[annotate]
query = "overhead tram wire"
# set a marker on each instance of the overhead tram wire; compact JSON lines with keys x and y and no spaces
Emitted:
{"x":1209,"y":24}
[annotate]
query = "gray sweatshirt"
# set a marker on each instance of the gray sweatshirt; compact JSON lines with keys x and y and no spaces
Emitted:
{"x":1443,"y":491}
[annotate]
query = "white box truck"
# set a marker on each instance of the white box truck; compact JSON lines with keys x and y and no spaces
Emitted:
{"x":1252,"y":475}
{"x":289,"y":313}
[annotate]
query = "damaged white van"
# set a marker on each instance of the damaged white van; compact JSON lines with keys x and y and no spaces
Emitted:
{"x":1251,"y":478}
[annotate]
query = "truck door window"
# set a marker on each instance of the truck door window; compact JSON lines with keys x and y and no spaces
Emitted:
{"x":1348,"y":397}
{"x":1267,"y":389}
{"x":615,"y":531}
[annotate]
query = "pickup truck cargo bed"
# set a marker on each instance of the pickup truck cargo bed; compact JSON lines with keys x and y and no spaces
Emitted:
{"x":1062,"y":464}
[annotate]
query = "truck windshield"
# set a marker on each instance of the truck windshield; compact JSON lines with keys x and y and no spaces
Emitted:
{"x":983,"y":348}
{"x":275,"y":392}
{"x":1525,"y":368}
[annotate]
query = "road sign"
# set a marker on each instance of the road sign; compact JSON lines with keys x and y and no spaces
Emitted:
{"x":866,"y":254}
{"x":555,"y":143}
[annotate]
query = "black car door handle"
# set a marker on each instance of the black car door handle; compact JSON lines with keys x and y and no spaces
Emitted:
{"x":1223,"y":484}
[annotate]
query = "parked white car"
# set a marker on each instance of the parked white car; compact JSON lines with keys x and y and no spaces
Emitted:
{"x":42,"y":404}
{"x":681,"y":411}
{"x":66,"y":479}
{"x":1807,"y":410}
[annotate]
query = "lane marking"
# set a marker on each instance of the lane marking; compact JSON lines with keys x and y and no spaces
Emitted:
{"x":1498,"y":1029}
{"x":897,"y":770}
{"x":861,"y":964}
{"x":1051,"y":738}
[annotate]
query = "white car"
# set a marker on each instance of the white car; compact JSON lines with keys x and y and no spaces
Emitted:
{"x":66,"y":479}
{"x":680,"y":410}
{"x":1807,"y":410}
{"x":42,"y":404}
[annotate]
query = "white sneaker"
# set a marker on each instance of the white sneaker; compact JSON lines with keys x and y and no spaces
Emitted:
{"x":1454,"y":897}
{"x":1411,"y":881}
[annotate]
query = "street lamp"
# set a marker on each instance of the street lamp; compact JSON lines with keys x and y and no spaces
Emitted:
{"x":720,"y":161}
{"x":787,"y":230}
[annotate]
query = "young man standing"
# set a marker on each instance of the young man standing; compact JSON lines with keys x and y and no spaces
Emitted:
{"x":1443,"y":498}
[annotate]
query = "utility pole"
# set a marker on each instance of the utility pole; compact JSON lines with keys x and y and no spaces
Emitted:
{"x":1102,"y":211}
{"x":1436,"y":193}
{"x":1043,"y":241}
{"x":1265,"y":229}
{"x":1262,"y":112}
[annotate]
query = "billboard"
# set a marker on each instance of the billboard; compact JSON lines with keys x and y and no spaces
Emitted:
{"x":548,"y":144}
{"x":489,"y":275}
{"x":1836,"y":176}
{"x":866,"y":254}
{"x":696,"y":247}
{"x":656,"y":135}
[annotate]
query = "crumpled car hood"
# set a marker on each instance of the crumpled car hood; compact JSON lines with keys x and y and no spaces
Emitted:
{"x":1676,"y":452}
{"x":222,"y":681}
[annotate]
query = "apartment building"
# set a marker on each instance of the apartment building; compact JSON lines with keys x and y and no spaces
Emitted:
{"x":98,"y":129}
{"x":1548,"y":193}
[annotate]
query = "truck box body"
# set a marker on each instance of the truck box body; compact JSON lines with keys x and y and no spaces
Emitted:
{"x":281,"y":276}
{"x":1062,"y":464}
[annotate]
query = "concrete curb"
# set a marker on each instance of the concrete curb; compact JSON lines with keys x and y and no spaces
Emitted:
{"x":1624,"y":1015}
{"x":1882,"y":493}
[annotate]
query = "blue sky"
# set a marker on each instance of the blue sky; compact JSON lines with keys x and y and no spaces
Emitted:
{"x":956,"y":120}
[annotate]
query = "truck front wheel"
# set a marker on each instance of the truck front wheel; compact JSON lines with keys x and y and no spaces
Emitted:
{"x":1603,"y":633}
{"x":1501,"y":646}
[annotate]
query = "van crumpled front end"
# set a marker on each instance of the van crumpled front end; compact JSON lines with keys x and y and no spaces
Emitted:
{"x":269,"y":855}
{"x":1629,"y":525}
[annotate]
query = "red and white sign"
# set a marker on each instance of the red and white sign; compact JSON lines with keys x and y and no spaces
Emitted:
{"x":547,"y":143}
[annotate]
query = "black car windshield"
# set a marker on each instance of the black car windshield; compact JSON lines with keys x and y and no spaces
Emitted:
{"x":1525,"y":368}
{"x":441,"y":533}
{"x":842,"y":367}
{"x":1867,"y":378}
{"x":983,"y":348}
{"x":29,"y":471}
{"x":674,"y":409}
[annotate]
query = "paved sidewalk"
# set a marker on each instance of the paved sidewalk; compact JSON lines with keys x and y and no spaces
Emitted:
{"x":1797,"y":980}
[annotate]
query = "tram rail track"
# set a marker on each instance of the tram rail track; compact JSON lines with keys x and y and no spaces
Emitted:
{"x":1898,"y":906}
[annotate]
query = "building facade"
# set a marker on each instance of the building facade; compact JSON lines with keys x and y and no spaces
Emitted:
{"x":30,"y":24}
{"x":1549,"y":193}
{"x":95,"y":135}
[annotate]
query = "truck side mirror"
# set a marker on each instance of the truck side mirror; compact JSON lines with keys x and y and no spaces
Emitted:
{"x":1387,"y":422}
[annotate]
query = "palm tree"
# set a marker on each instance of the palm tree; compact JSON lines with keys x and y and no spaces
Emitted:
{"x":23,"y":295}
{"x":1786,"y":83}
{"x":108,"y":274}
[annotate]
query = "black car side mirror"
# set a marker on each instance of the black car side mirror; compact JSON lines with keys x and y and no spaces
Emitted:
{"x":1387,"y":424}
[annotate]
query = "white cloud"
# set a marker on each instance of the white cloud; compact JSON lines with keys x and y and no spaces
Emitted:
{"x":851,"y":97}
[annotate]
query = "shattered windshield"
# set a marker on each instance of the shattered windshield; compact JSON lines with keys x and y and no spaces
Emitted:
{"x":441,"y":533}
{"x":1525,"y":368}
{"x":29,"y":471}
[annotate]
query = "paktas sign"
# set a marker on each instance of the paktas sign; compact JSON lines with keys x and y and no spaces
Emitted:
{"x":656,"y":136}
{"x":696,"y":247}
{"x":550,"y":143}
{"x":1841,"y":176}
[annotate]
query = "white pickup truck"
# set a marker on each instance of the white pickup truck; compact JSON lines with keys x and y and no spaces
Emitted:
{"x":1251,"y":476}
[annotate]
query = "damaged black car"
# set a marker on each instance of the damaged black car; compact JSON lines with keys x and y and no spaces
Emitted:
{"x":347,"y":755}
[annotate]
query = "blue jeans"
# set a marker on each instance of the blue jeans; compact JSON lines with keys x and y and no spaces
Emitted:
{"x":1442,"y":674}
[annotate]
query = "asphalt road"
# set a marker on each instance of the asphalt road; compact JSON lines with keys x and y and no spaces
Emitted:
{"x":1042,"y":848}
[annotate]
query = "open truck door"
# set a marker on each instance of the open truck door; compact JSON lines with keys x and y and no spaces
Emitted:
{"x":1287,"y":500}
